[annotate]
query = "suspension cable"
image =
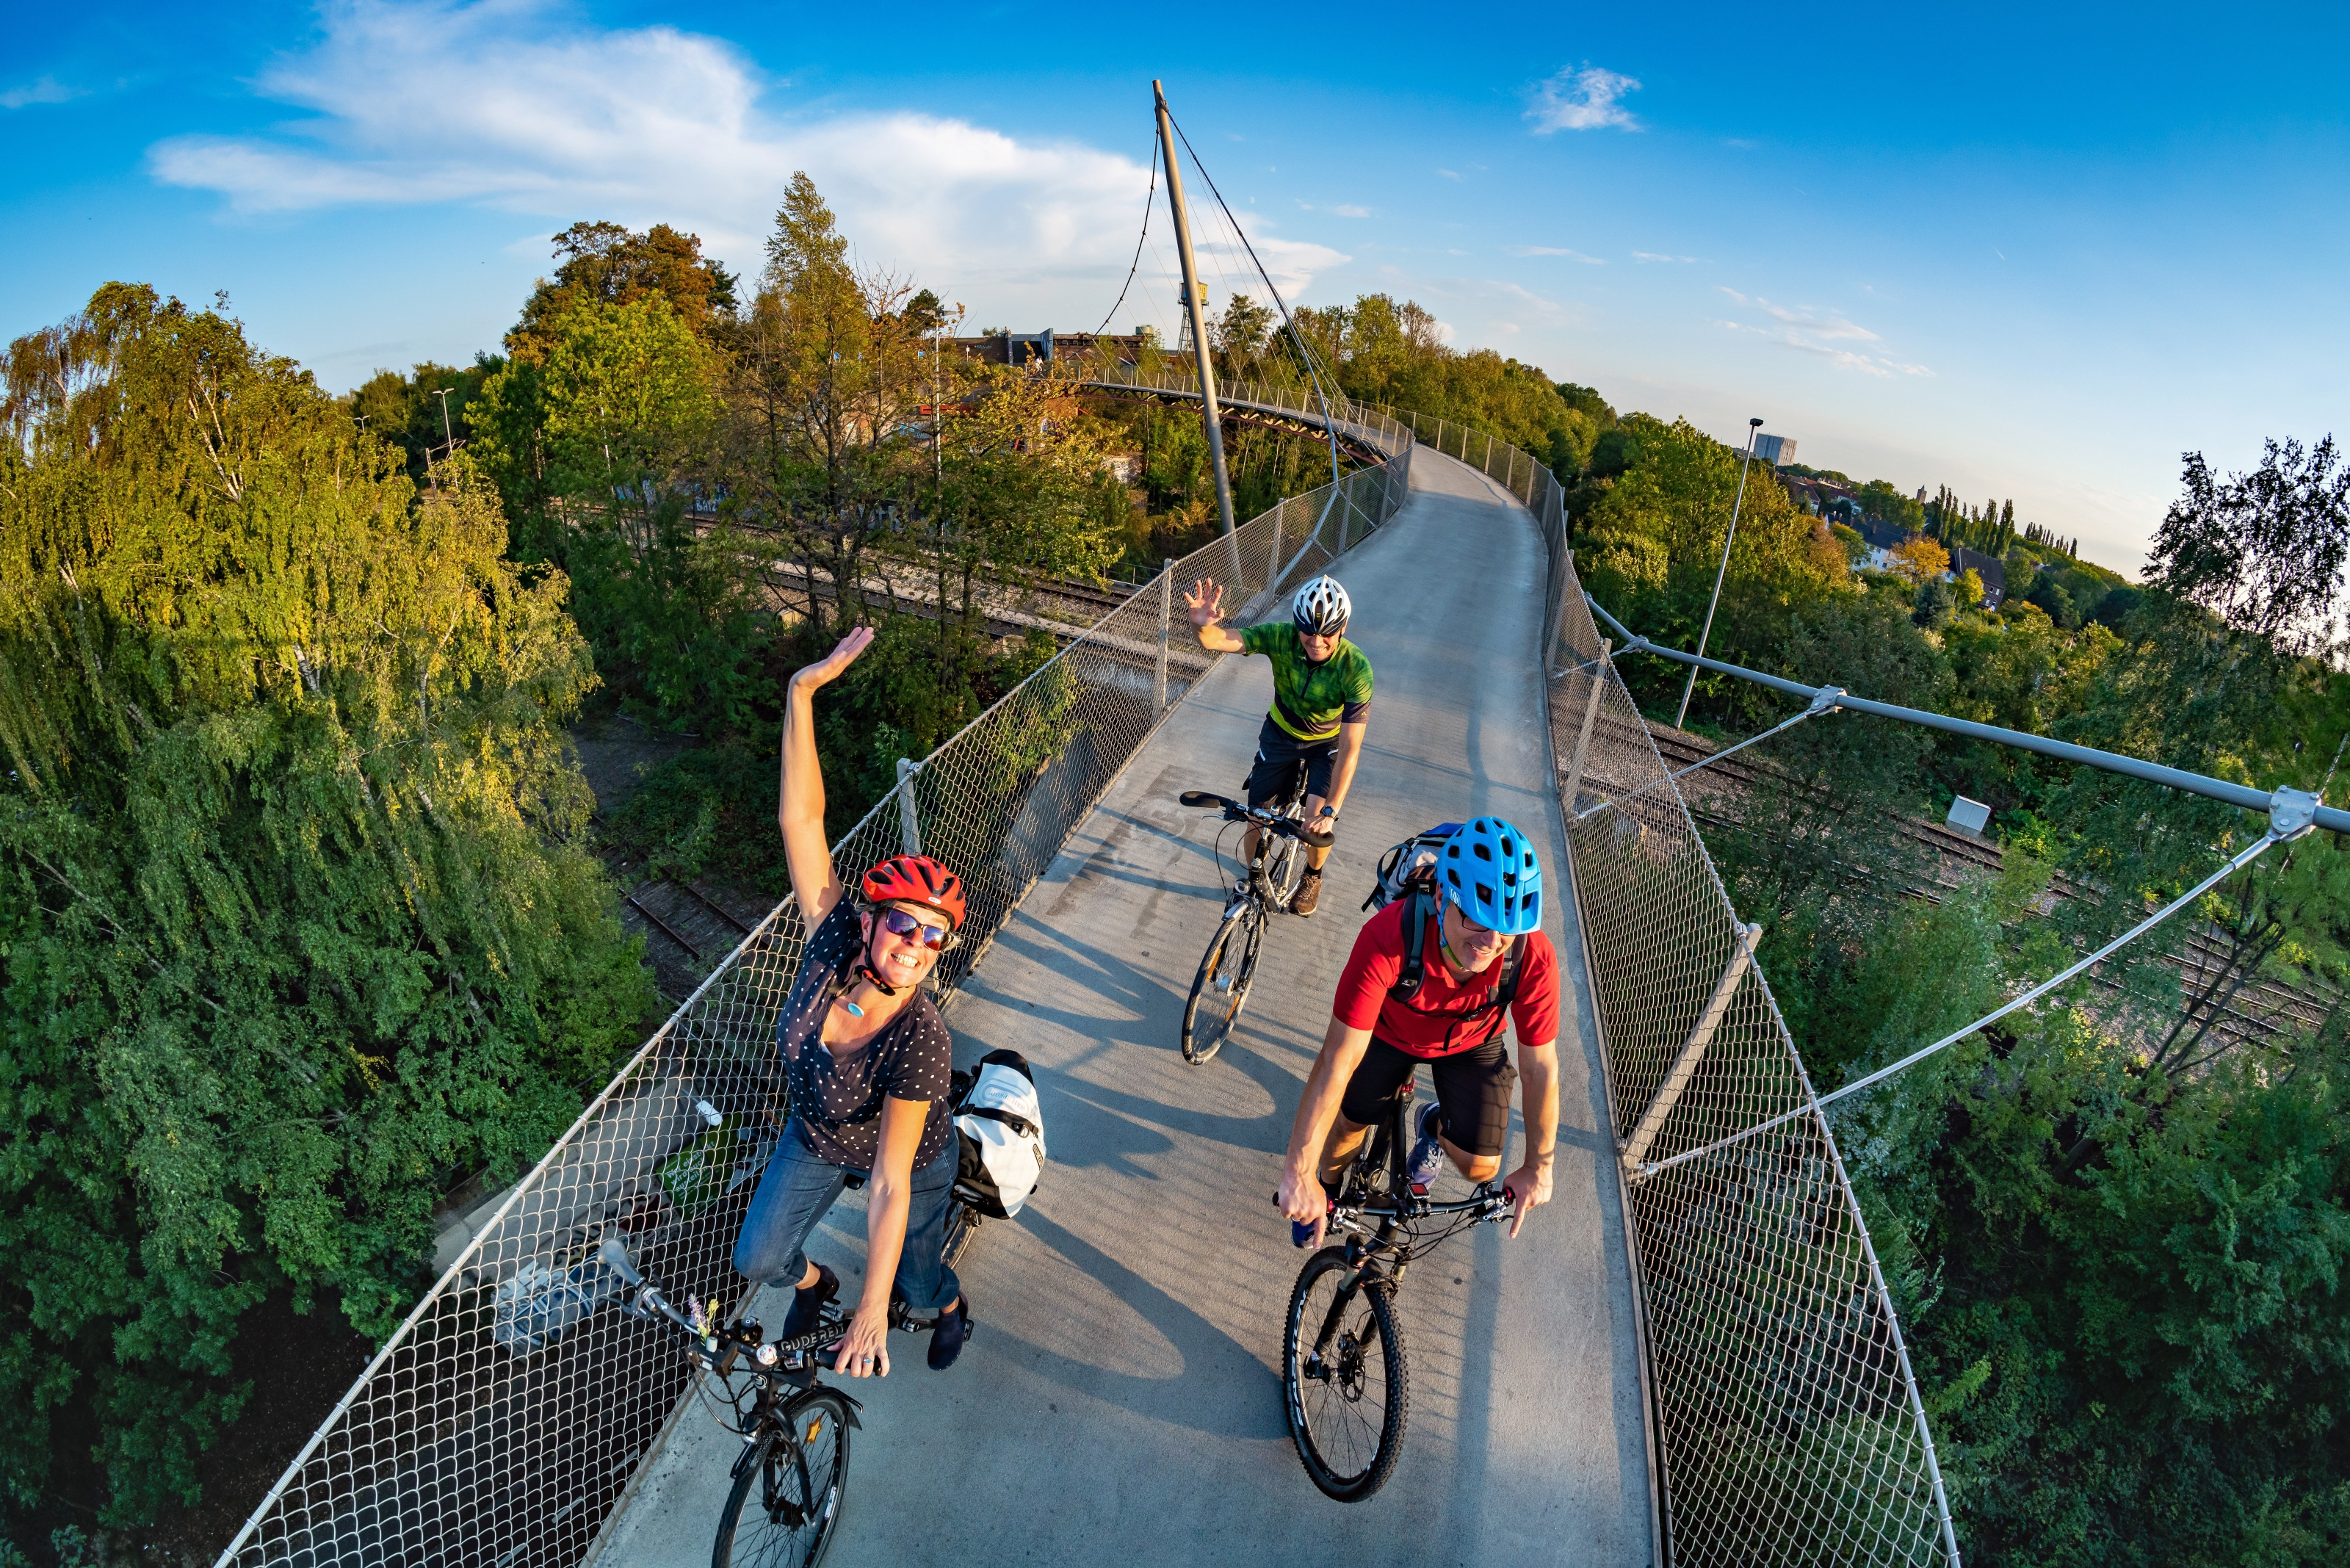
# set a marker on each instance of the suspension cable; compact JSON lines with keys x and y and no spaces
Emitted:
{"x":1824,"y":700}
{"x":2275,"y":835}
{"x":1149,"y":200}
{"x":1329,"y":424}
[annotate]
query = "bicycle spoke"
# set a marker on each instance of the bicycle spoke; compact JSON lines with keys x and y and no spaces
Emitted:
{"x":1220,"y":990}
{"x":1344,"y":1376}
{"x":782,"y":1510}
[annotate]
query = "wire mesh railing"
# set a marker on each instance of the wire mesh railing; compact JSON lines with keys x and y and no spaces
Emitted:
{"x":1523,"y":476}
{"x":1787,"y":1420}
{"x":500,"y":1426}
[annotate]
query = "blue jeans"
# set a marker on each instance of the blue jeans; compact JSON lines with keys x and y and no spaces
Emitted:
{"x":797,"y":1190}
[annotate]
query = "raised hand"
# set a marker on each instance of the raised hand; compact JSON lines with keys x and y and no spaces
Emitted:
{"x":1204,"y":602}
{"x":826,"y":670}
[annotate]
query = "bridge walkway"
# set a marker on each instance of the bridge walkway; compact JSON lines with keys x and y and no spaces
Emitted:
{"x":1122,"y":1394}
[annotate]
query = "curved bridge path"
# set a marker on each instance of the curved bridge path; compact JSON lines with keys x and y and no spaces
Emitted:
{"x":1121,"y":1400}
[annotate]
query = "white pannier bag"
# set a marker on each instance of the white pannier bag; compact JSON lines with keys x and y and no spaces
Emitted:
{"x":1001,"y":1127}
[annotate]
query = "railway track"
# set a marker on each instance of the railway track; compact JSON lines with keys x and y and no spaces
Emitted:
{"x":2262,"y":1008}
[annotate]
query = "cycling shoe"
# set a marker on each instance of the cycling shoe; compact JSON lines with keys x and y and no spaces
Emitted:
{"x":1427,"y":1154}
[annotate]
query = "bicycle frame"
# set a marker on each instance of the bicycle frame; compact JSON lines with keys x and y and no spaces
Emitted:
{"x":1374,"y":1250}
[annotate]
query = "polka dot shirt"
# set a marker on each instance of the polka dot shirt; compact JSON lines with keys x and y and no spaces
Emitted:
{"x":836,"y":1098}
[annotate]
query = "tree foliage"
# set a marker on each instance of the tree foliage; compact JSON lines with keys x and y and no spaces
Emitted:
{"x":295,"y":925}
{"x":2262,"y":550}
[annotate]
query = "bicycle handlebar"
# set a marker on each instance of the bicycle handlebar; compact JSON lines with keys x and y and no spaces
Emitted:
{"x":1416,"y":1208}
{"x":1287,"y":826}
{"x":717,"y":1348}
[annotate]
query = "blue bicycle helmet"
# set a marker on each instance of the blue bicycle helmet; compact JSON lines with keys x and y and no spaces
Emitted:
{"x":1489,"y":873}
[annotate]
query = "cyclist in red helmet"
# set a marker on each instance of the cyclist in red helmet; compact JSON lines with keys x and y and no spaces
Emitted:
{"x":869,"y":1061}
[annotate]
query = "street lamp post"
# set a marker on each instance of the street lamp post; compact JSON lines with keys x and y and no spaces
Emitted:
{"x":1752,"y":428}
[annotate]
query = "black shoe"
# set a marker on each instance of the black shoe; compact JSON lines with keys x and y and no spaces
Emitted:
{"x":947,"y":1339}
{"x":808,"y":1303}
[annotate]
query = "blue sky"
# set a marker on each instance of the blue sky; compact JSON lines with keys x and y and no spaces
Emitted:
{"x":2031,"y":252}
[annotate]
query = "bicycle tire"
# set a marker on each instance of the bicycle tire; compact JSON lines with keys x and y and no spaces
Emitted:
{"x":1214,"y":1008}
{"x":962,"y":1221}
{"x":792,"y":1491}
{"x":1326,"y":1419}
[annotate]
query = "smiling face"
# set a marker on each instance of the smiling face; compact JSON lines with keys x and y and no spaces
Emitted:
{"x":1318,"y":647}
{"x":1472,"y":946}
{"x":903,"y":961}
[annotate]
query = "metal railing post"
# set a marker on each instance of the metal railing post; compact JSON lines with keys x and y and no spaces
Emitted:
{"x":1583,"y":741}
{"x":1668,"y":1093}
{"x":1166,"y":625}
{"x":909,"y":832}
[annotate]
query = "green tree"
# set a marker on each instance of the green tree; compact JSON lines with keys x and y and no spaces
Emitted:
{"x":603,"y":446}
{"x":295,"y":923}
{"x":608,"y":263}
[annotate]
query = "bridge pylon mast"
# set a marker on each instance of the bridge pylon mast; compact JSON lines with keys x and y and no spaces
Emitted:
{"x":1192,"y":308}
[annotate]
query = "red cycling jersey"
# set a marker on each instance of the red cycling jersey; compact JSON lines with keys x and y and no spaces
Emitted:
{"x":1428,"y":1025}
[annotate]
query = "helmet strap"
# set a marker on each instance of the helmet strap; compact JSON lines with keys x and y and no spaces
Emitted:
{"x":873,"y":976}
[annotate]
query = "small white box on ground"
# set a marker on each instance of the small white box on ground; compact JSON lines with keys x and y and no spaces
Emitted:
{"x":1970,"y":815}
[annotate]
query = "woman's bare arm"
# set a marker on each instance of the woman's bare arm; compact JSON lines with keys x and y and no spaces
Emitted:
{"x":799,"y":809}
{"x":889,"y":1198}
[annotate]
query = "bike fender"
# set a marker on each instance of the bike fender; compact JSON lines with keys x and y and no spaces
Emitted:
{"x":752,"y":1454}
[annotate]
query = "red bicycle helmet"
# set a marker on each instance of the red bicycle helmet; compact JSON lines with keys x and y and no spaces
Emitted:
{"x":916,"y":880}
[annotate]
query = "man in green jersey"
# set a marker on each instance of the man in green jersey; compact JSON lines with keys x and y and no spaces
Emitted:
{"x":1321,"y":710}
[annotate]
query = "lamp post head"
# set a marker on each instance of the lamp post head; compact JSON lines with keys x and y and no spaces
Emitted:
{"x":1757,"y":423}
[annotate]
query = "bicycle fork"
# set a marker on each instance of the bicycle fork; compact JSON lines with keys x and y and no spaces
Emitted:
{"x":1360,"y":1267}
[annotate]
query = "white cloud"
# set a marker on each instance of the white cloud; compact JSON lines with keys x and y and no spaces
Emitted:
{"x":515,"y":105}
{"x":1815,"y":332}
{"x":1582,"y":98}
{"x":1553,"y":251}
{"x":1349,"y":212}
{"x":1447,"y":173}
{"x":1659,"y":256}
{"x":42,"y":89}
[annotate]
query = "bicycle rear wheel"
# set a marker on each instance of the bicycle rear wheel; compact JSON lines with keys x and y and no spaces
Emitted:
{"x":1342,"y":1371}
{"x":1221,"y":989}
{"x":961,"y":1220}
{"x":785,"y":1503}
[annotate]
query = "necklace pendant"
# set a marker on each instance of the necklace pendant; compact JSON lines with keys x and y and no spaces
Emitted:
{"x":852,"y":1007}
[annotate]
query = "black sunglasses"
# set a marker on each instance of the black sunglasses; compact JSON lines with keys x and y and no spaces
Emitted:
{"x":899,"y":923}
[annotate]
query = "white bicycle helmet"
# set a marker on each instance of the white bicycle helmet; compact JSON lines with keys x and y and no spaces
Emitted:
{"x":1321,"y":607}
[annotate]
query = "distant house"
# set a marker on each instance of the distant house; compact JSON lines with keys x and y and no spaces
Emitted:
{"x":1989,"y":568}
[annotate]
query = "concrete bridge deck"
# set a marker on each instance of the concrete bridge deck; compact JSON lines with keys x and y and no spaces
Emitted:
{"x":1121,"y":1400}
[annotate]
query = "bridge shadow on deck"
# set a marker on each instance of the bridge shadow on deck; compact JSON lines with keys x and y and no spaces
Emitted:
{"x":1122,"y":1395}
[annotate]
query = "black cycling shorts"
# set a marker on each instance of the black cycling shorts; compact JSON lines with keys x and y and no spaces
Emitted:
{"x":1279,"y":755}
{"x":1473,"y":1086}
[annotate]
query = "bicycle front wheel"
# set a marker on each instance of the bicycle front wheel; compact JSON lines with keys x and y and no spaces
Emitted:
{"x":785,"y":1503}
{"x":1221,"y":989}
{"x":1342,"y":1374}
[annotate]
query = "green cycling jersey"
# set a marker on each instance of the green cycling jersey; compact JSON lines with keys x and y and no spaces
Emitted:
{"x":1311,"y":700}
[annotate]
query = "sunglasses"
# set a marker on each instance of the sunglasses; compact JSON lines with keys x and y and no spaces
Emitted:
{"x":1472,"y":932}
{"x":899,"y":923}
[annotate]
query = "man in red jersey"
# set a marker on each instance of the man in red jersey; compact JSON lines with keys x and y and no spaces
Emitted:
{"x":1484,"y":958}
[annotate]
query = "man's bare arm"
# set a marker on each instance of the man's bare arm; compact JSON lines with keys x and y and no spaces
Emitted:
{"x":1538,"y":1090}
{"x":1204,"y":603}
{"x":1350,"y":752}
{"x":1325,"y":1087}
